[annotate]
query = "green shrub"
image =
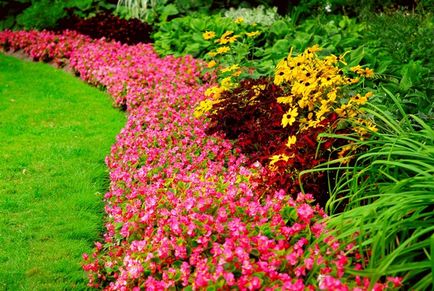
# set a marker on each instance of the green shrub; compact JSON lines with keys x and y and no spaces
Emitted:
{"x":399,"y":48}
{"x":44,"y":14}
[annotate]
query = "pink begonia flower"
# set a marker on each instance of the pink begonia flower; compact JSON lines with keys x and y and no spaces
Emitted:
{"x":397,"y":281}
{"x":309,"y":262}
{"x":305,"y":212}
{"x":229,"y":278}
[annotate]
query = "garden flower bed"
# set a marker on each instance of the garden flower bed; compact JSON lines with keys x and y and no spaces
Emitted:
{"x":184,"y":208}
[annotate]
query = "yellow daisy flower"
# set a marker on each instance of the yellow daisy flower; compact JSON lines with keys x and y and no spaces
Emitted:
{"x":223,"y":49}
{"x":291,"y":141}
{"x":253,"y":34}
{"x":211,"y":64}
{"x":208,"y":35}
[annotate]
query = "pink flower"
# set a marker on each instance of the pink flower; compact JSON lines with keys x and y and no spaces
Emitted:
{"x":305,"y":212}
{"x":396,"y":281}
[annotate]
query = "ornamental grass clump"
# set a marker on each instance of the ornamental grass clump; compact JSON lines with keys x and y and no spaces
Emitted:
{"x":387,"y":195}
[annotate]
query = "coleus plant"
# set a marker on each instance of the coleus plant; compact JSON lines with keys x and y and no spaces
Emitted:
{"x":278,"y":122}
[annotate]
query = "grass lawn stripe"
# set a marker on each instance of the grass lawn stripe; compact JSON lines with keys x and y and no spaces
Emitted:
{"x":55,"y":132}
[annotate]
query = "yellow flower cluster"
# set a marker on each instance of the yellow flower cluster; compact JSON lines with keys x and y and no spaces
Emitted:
{"x":239,"y":20}
{"x":364,"y":72}
{"x":208,"y":35}
{"x":206,"y":105}
{"x":313,"y":88}
{"x":228,"y":74}
{"x":253,"y":33}
{"x":227,"y":37}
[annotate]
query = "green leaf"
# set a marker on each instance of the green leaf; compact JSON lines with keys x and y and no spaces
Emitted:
{"x":168,"y":10}
{"x":302,"y":39}
{"x":335,"y":39}
{"x":80,"y":4}
{"x":197,"y":24}
{"x":356,"y":56}
{"x":192,"y":49}
{"x":280,"y":48}
{"x":432,"y":257}
{"x":405,"y":82}
{"x":289,"y":213}
{"x":280,"y":28}
{"x":255,"y":253}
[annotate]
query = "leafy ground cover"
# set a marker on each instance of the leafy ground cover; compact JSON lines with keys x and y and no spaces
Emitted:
{"x":54,"y":134}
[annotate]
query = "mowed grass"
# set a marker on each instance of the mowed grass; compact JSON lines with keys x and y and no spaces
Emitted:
{"x":55,"y":132}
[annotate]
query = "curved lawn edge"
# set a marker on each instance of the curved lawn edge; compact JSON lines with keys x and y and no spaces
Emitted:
{"x":55,"y":132}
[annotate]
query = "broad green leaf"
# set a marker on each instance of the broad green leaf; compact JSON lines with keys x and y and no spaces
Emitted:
{"x":280,"y":28}
{"x":168,"y":10}
{"x":356,"y":56}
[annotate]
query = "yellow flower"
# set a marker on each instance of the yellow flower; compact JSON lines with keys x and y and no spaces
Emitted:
{"x":358,"y":99}
{"x":357,"y":69}
{"x":236,"y":73}
{"x":310,"y":52}
{"x":224,"y":39}
{"x":212,"y":64}
{"x":253,"y":34}
{"x":332,"y":95}
{"x":274,"y":159}
{"x":230,"y":69}
{"x":289,"y":117}
{"x":226,"y":83}
{"x":344,"y":154}
{"x":330,"y":60}
{"x":313,"y":49}
{"x":285,"y":99}
{"x":223,"y":49}
{"x":212,"y":54}
{"x":208,"y":35}
{"x":369,"y":94}
{"x":258,"y":88}
{"x":204,"y":107}
{"x":341,"y":111}
{"x":239,"y":20}
{"x":341,"y":58}
{"x":322,"y":110}
{"x":372,"y":128}
{"x":353,"y":81}
{"x":282,"y":74}
{"x":232,"y":38}
{"x":291,"y":141}
{"x":369,"y":73}
{"x":215,"y":92}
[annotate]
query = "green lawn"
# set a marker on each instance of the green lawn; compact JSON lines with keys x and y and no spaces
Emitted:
{"x":55,"y":132}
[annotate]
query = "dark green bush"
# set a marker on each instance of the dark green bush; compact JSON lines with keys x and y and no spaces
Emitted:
{"x":41,"y":14}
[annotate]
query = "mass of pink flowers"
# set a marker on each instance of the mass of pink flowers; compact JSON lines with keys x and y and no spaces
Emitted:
{"x":182,"y":210}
